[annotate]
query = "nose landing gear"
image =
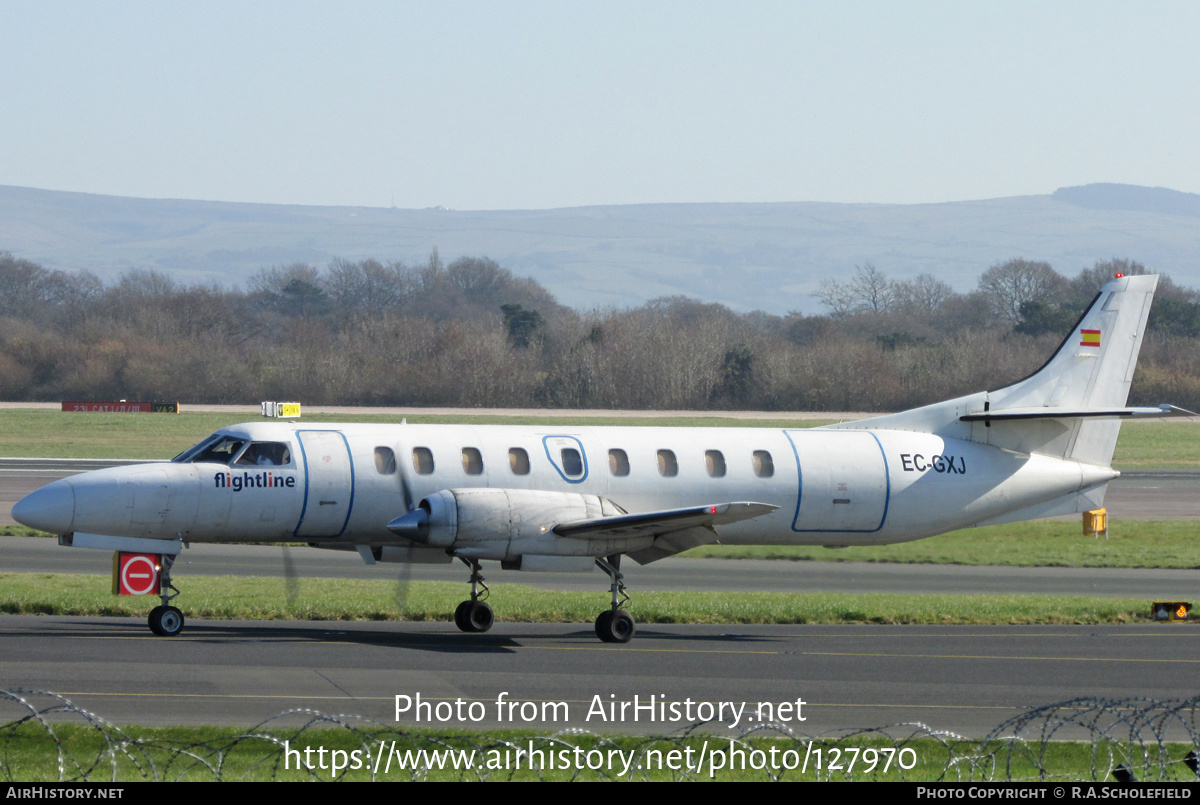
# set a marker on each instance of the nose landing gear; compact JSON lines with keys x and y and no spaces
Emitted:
{"x":166,"y":620}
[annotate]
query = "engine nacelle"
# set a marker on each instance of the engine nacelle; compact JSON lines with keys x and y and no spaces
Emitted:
{"x":498,"y":523}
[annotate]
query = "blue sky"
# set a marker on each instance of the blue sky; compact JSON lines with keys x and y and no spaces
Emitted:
{"x":513,"y":105}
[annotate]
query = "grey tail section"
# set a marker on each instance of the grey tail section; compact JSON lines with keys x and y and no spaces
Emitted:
{"x":1071,"y":407}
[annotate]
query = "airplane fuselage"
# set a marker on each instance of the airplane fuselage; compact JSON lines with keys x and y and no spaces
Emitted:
{"x":546,"y":497}
{"x":344,"y":483}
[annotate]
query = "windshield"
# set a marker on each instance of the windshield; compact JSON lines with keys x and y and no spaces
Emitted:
{"x":222,"y":451}
{"x":223,"y":448}
{"x":186,"y":455}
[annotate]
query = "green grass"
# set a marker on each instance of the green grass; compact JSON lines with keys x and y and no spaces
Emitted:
{"x":1165,"y":444}
{"x":100,"y":753}
{"x":1037,"y":543}
{"x":227,"y":597}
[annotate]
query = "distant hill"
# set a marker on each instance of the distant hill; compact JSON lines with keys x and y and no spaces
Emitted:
{"x":748,"y":256}
{"x":1131,"y":198}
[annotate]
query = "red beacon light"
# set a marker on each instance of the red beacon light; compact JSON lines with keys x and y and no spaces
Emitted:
{"x":1119,"y":275}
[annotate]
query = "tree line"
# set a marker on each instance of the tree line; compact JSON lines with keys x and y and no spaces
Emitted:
{"x":470,"y":333}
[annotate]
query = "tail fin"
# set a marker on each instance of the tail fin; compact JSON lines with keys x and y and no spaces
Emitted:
{"x":1088,"y":380}
{"x":1094,"y":365}
{"x":1070,"y":408}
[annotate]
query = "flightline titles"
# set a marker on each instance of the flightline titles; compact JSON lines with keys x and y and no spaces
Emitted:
{"x":253,"y":480}
{"x":654,"y":709}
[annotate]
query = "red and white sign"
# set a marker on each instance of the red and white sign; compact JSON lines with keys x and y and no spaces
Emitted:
{"x":137,"y":573}
{"x":120,"y":407}
{"x":108,"y":406}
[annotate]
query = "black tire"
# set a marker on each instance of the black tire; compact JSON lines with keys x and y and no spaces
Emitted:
{"x":604,"y":625}
{"x":166,"y":621}
{"x":622,"y":627}
{"x":460,"y":617}
{"x":152,"y":620}
{"x":615,"y":626}
{"x":480,"y":616}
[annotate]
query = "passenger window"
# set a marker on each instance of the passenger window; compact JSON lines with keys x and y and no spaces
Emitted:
{"x":572,"y":462}
{"x":385,"y":461}
{"x":715,"y":463}
{"x":618,"y":463}
{"x":764,"y":467}
{"x":422,"y":458}
{"x":667,"y":465}
{"x":472,"y":461}
{"x":518,"y":461}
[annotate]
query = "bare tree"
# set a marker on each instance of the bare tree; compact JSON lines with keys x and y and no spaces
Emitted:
{"x":870,"y":291}
{"x":1010,"y":284}
{"x":923,"y":296}
{"x":367,"y":286}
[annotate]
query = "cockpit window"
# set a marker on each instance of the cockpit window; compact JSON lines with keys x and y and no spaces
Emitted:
{"x":265,"y":454}
{"x":186,"y":456}
{"x":221,"y":451}
{"x":225,"y":449}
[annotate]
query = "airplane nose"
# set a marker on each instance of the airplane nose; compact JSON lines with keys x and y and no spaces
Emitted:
{"x":51,"y":508}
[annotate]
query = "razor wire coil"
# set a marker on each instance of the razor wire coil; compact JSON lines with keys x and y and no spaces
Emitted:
{"x":1131,"y":738}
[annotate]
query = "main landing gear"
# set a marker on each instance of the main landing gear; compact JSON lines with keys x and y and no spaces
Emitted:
{"x":474,"y":615}
{"x":615,"y":625}
{"x":166,"y":620}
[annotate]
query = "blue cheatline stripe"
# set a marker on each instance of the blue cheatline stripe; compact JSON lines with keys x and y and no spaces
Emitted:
{"x":350,"y":462}
{"x":887,"y":482}
{"x":799,"y":480}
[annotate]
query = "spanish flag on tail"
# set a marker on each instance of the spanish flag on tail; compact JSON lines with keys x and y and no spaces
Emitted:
{"x":1091,"y":338}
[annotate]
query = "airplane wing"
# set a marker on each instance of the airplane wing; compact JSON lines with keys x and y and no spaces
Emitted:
{"x":675,"y":530}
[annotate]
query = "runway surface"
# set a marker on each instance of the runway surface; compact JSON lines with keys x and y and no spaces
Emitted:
{"x":966,"y":680}
{"x":963,"y":679}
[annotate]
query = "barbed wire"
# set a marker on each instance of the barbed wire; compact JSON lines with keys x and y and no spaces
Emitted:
{"x":1085,"y":739}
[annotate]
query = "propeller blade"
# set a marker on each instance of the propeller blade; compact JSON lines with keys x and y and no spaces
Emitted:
{"x":400,"y":595}
{"x":405,"y":491}
{"x":291,"y":579}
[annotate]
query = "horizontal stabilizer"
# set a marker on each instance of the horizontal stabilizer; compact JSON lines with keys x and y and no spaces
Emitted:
{"x":656,"y":524}
{"x":1050,"y":412}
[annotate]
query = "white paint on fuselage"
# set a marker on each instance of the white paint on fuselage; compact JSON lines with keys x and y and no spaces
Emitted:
{"x":832,"y":486}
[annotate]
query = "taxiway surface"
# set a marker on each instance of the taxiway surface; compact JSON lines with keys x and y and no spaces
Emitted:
{"x":964,"y":679}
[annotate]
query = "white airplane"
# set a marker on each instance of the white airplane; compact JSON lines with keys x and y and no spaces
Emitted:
{"x":551,"y":498}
